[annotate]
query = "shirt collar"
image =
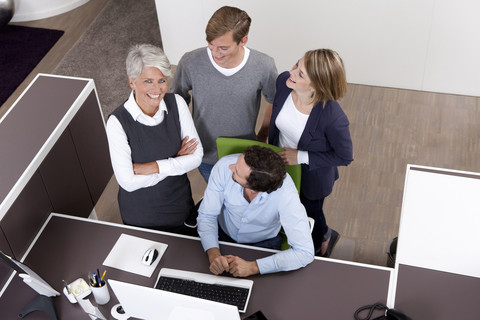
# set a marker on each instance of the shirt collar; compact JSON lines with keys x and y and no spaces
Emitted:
{"x":133,"y":108}
{"x":261,"y":196}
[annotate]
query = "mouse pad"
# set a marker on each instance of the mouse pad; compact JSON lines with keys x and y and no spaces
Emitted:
{"x":127,"y":255}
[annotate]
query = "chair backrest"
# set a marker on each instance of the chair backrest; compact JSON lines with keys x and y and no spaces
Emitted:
{"x":226,"y":146}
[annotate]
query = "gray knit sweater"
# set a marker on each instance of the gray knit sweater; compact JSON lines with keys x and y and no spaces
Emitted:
{"x":224,"y":106}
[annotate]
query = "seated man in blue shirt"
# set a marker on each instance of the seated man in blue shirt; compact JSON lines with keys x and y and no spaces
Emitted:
{"x":249,"y":197}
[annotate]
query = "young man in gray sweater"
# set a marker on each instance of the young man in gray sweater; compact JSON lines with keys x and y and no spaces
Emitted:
{"x":227,"y":80}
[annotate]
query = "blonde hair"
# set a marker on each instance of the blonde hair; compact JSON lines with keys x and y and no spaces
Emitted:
{"x":228,"y":19}
{"x":327,"y":75}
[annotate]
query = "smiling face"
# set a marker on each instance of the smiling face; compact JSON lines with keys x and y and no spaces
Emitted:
{"x":241,"y":171}
{"x":150,"y":88}
{"x":226,"y":52}
{"x":299,"y":80}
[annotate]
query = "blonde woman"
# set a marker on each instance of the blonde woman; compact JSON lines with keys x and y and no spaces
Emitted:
{"x":308,"y":122}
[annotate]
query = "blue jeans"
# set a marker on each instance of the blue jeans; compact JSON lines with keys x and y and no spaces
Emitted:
{"x":205,"y":170}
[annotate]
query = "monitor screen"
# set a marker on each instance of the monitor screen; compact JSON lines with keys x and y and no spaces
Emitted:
{"x":29,"y":276}
{"x":11,"y":263}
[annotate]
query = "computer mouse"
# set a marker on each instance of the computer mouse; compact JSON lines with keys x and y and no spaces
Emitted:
{"x":150,"y":256}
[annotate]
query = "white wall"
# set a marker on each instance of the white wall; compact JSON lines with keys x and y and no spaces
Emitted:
{"x":430,"y":45}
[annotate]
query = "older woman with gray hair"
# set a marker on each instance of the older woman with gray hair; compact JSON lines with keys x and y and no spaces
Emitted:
{"x":153,"y":144}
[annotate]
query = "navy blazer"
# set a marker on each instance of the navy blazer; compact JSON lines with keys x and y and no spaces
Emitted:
{"x":326,"y":137}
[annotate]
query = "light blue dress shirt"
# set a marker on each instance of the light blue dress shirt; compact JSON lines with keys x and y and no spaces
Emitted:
{"x":224,"y":204}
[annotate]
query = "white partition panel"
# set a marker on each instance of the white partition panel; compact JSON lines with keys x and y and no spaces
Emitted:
{"x":440,"y":221}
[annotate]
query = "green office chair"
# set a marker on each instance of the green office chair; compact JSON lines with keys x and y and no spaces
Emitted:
{"x":226,"y":146}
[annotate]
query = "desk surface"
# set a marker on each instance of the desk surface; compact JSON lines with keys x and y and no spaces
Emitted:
{"x":430,"y":294}
{"x":68,"y":248}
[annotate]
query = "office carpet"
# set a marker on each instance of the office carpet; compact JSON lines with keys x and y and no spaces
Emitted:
{"x":21,"y":49}
{"x":101,"y":51}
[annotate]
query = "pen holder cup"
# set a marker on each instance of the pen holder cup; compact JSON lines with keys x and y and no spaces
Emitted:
{"x":101,"y":294}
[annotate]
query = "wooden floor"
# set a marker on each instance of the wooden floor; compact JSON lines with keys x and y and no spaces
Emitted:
{"x":390,"y":128}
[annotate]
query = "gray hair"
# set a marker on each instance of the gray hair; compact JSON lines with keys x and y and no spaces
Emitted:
{"x":146,"y":55}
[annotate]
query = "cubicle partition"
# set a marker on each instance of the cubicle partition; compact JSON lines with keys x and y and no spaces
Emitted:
{"x":438,"y":254}
{"x":54,"y":158}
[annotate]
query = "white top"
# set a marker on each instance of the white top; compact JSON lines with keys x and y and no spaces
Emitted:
{"x":291,"y":123}
{"x":120,"y":152}
{"x":229,"y":71}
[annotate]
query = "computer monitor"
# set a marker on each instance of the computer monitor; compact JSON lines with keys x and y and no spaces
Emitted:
{"x":29,"y":276}
{"x":150,"y":303}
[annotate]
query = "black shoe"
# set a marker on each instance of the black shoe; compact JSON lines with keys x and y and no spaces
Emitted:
{"x":331,"y":244}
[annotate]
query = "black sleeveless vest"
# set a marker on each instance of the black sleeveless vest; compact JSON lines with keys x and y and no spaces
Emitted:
{"x":168,"y":203}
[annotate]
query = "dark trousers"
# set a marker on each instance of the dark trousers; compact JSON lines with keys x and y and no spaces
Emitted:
{"x":182,"y":229}
{"x":273,"y":243}
{"x":315,"y":210}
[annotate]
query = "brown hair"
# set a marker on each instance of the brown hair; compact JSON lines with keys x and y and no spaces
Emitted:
{"x":267,"y":169}
{"x":228,"y":19}
{"x":327,"y":74}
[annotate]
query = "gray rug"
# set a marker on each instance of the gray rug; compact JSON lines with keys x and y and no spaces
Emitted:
{"x":101,"y":51}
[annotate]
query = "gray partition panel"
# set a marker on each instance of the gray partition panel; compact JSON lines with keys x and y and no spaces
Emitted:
{"x":88,"y":134}
{"x":30,"y":122}
{"x":5,"y":270}
{"x":429,"y":294}
{"x":64,"y":179}
{"x":69,"y":249}
{"x":26,"y":215}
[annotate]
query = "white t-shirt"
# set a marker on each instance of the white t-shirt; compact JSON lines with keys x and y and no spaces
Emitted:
{"x":291,"y":123}
{"x":229,"y":71}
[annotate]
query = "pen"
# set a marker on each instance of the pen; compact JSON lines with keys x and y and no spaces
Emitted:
{"x":103,"y":275}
